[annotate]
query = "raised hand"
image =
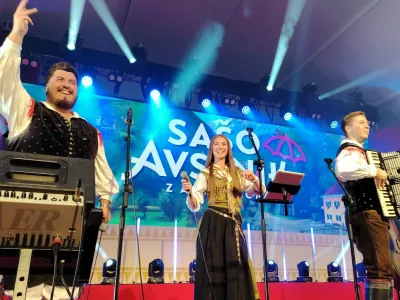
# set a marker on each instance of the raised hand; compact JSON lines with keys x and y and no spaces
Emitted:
{"x":21,"y":21}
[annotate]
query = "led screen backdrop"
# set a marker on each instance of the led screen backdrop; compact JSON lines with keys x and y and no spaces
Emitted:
{"x":166,"y":141}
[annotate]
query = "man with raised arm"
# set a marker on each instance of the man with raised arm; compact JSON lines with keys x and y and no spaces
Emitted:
{"x":49,"y":127}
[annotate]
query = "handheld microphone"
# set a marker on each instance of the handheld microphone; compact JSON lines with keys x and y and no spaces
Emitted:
{"x":249,"y":130}
{"x":186,"y":177}
{"x":129,"y":116}
{"x":103,"y":227}
{"x":328,"y":160}
{"x":77,"y":196}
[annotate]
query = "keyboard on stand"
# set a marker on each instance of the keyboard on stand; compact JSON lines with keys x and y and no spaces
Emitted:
{"x":43,"y":197}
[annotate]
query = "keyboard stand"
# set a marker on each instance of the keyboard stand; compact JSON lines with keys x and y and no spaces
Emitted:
{"x":21,"y":281}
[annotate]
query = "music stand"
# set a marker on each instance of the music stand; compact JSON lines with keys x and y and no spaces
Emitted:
{"x":279,"y":191}
{"x":282,"y":188}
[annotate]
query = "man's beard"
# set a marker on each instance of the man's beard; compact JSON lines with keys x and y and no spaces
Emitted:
{"x":64,"y":103}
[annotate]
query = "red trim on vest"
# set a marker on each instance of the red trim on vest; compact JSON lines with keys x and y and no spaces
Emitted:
{"x":100,"y":137}
{"x":31,"y":108}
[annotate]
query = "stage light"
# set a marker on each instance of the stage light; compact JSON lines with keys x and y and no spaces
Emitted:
{"x":361,"y":272}
{"x":246,"y":110}
{"x":192,"y":271}
{"x":155,"y":94}
{"x":30,"y":70}
{"x":109,"y":268}
{"x":71,"y":47}
{"x":304,"y":272}
{"x":156,"y":271}
{"x":206,"y":103}
{"x":334,"y":272}
{"x":139,"y":52}
{"x":246,"y":106}
{"x":87,"y":81}
{"x":71,"y":42}
{"x":269,"y":88}
{"x":287,"y":116}
{"x":272,"y":271}
{"x":310,"y":88}
{"x":334,"y":124}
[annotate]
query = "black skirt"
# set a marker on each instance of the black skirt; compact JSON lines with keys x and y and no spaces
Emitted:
{"x":231,"y":278}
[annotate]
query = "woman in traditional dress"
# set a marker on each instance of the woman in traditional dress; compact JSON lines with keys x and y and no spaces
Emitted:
{"x":221,"y":244}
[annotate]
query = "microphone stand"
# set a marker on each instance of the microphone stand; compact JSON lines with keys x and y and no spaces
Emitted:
{"x":127,"y":191}
{"x":349,"y":201}
{"x":259,"y":163}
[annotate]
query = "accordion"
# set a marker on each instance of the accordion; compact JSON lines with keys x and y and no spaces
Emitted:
{"x":389,"y":196}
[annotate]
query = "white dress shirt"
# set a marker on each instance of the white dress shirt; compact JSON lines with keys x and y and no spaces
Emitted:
{"x":352,"y":164}
{"x":15,"y":104}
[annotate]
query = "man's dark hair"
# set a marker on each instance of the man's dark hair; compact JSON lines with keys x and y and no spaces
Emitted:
{"x":64,"y":66}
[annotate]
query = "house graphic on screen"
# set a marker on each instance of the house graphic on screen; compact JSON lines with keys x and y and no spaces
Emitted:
{"x":333,"y":207}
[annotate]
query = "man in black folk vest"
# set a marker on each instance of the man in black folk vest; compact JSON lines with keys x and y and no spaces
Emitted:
{"x":49,"y":127}
{"x":371,"y":229}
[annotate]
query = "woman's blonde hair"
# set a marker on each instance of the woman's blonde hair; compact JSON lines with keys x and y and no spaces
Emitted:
{"x":233,"y":170}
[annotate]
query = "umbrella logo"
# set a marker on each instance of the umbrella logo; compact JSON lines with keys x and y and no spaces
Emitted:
{"x":292,"y":151}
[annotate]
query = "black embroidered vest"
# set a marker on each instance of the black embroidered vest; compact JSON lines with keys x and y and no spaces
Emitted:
{"x":363,"y":191}
{"x":51,"y":134}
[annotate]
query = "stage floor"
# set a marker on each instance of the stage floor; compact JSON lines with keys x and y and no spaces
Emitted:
{"x":278,"y":291}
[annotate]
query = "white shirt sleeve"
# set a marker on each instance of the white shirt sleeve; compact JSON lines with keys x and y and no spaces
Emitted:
{"x":16,"y":105}
{"x":106,"y":184}
{"x":351,"y":164}
{"x":198,"y":190}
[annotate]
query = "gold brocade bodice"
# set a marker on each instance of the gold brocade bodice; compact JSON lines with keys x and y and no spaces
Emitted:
{"x":223,"y":195}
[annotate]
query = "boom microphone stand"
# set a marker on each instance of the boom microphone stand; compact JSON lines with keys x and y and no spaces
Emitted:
{"x":127,"y":191}
{"x":259,"y":163}
{"x":349,"y":201}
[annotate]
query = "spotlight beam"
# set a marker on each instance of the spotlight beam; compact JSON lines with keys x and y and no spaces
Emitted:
{"x":335,"y":37}
{"x":75,"y":18}
{"x":201,"y":57}
{"x":362,"y":80}
{"x":292,"y":16}
{"x":105,"y":15}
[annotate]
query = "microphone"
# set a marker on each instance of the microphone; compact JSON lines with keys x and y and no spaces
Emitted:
{"x":328,"y":160}
{"x":103,"y":227}
{"x":249,"y":130}
{"x":77,"y":196}
{"x":186,"y":177}
{"x":129,"y":116}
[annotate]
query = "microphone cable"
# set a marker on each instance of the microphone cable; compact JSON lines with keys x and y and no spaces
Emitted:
{"x":62,"y":262}
{"x":185,"y":177}
{"x":56,"y":246}
{"x":204,"y":258}
{"x":137,"y":238}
